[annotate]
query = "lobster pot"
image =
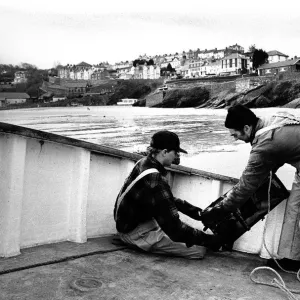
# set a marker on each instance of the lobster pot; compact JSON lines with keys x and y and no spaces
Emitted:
{"x":241,"y":220}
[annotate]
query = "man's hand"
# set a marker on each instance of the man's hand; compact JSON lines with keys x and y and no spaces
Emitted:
{"x":212,"y":214}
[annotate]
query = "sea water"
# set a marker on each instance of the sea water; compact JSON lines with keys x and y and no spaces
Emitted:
{"x":201,"y":131}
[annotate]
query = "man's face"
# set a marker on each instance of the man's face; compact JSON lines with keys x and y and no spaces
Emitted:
{"x":171,"y":157}
{"x":243,"y":135}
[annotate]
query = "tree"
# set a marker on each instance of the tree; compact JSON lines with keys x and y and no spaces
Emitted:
{"x":28,"y":66}
{"x":141,"y":62}
{"x":138,"y":62}
{"x":260,"y":57}
{"x":169,"y":68}
{"x":166,"y":71}
{"x":252,"y":48}
{"x":150,"y":62}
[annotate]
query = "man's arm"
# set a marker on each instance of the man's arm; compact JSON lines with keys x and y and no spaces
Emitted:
{"x":166,"y":215}
{"x":188,"y":209}
{"x":257,"y":170}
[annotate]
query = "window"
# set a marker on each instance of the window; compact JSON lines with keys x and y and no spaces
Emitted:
{"x":230,"y":63}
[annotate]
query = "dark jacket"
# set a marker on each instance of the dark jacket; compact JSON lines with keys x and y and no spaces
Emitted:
{"x":270,"y":150}
{"x":152,"y":198}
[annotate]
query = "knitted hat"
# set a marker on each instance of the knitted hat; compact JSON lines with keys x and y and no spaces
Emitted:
{"x":238,"y":116}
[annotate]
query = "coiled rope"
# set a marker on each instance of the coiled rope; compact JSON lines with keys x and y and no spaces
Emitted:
{"x":276,"y":282}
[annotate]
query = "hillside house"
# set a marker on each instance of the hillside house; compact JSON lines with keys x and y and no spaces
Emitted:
{"x":82,"y":70}
{"x":121,"y":65}
{"x":99,"y":75}
{"x":20,"y":77}
{"x":276,"y":56}
{"x":145,"y":72}
{"x":211,"y":54}
{"x":173,"y":61}
{"x":125,"y":72}
{"x":185,"y":69}
{"x":13,"y":98}
{"x":151,"y":72}
{"x":292,"y":65}
{"x":235,"y":63}
{"x":211,"y":68}
{"x":235,"y":48}
{"x":194,"y":67}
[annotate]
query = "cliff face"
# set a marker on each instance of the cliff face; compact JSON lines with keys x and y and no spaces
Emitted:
{"x":268,"y":94}
{"x":185,"y":97}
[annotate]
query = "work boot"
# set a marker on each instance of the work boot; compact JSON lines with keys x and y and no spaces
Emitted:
{"x":212,"y":242}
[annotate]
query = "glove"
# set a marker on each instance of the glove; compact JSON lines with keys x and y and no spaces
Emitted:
{"x":198,"y":214}
{"x":212,"y":215}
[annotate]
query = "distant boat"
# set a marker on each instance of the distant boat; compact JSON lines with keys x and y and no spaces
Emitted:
{"x":127,"y":102}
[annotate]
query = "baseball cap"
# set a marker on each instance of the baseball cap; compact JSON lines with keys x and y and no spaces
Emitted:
{"x":166,"y":140}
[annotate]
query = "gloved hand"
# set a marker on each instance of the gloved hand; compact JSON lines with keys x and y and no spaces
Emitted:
{"x":212,"y":215}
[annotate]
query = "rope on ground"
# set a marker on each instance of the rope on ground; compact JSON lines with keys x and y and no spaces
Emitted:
{"x":275,"y":282}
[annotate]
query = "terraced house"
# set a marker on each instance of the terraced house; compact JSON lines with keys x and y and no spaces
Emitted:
{"x":145,"y":72}
{"x":82,"y":70}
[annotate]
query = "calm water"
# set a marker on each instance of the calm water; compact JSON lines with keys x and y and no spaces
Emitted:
{"x":201,"y":131}
{"x":128,"y":128}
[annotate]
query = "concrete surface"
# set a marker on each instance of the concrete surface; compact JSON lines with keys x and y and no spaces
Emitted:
{"x":99,"y":269}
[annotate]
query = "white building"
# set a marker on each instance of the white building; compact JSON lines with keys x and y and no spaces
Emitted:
{"x":276,"y":56}
{"x":235,"y":63}
{"x":145,"y":72}
{"x":81,"y":71}
{"x":20,"y":77}
{"x":212,"y":68}
{"x":151,"y":72}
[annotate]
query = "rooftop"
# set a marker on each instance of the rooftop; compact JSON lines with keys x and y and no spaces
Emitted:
{"x":275,"y":52}
{"x":235,"y":55}
{"x":103,"y":268}
{"x":12,"y":95}
{"x":288,"y":62}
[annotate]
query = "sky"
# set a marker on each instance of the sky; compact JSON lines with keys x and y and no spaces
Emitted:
{"x":47,"y":33}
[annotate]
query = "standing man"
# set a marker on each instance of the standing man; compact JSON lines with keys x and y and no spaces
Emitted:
{"x":275,"y":141}
{"x":146,"y":212}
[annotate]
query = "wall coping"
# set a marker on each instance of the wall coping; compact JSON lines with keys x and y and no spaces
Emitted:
{"x":55,"y":138}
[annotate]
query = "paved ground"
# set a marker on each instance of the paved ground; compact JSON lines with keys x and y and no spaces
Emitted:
{"x":100,"y":270}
